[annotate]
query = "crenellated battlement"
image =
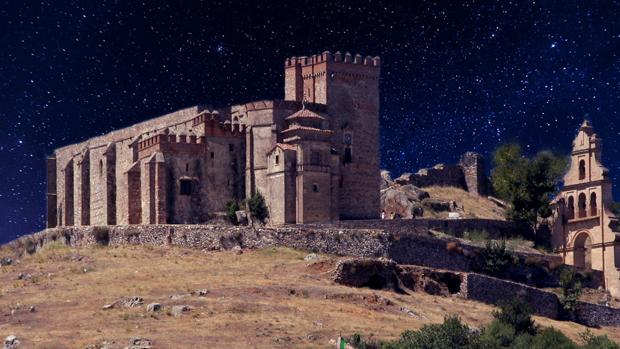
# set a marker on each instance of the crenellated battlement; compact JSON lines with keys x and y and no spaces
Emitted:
{"x":161,"y":138}
{"x":337,"y":57}
{"x":214,"y":128}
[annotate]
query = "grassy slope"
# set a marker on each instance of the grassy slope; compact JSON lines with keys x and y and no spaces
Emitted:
{"x":259,"y":299}
{"x":475,"y":206}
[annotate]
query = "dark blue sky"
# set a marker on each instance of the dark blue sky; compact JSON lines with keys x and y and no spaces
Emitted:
{"x":457,"y":76}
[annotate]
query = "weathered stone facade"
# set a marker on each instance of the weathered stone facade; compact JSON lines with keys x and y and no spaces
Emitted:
{"x":585,"y":231}
{"x":314,"y":156}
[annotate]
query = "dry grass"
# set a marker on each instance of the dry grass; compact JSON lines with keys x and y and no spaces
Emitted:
{"x":260,"y":299}
{"x":474,"y":206}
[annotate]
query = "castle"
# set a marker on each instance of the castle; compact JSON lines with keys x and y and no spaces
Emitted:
{"x":585,"y":231}
{"x":314,"y":156}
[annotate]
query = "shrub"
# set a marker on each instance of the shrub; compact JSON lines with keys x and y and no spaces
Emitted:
{"x":257,"y":206}
{"x":30,"y":246}
{"x":549,"y":338}
{"x":453,"y":247}
{"x":359,"y":343}
{"x":597,"y":342}
{"x":518,"y":314}
{"x":497,"y":334}
{"x":571,"y":289}
{"x":494,"y":259}
{"x":452,"y":333}
{"x":232,"y":207}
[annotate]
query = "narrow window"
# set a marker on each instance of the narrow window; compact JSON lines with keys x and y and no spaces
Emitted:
{"x":231,"y":147}
{"x":277,"y":159}
{"x":582,"y":205}
{"x":571,"y":207}
{"x":593,"y":207}
{"x":185,"y":187}
{"x":315,"y":188}
{"x":582,"y":169}
{"x":100,"y":168}
{"x":348,"y":157}
{"x":212,"y":155}
{"x":186,"y":168}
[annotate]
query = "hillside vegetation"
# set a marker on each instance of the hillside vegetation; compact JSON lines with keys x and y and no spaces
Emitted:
{"x":270,"y":298}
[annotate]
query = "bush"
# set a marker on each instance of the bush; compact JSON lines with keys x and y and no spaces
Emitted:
{"x":549,"y":338}
{"x":517,"y":314}
{"x":597,"y":342}
{"x":257,"y":206}
{"x":30,"y":246}
{"x":497,"y":334}
{"x":571,"y":289}
{"x":452,"y":333}
{"x":494,"y":259}
{"x":232,"y":207}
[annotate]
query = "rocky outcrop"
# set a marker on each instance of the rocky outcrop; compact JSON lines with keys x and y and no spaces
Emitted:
{"x":402,"y":201}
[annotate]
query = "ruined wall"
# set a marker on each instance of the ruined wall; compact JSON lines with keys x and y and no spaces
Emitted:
{"x":440,"y":175}
{"x":474,"y":172}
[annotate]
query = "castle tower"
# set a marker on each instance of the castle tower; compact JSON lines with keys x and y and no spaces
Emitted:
{"x":584,"y":229}
{"x":349,"y":86}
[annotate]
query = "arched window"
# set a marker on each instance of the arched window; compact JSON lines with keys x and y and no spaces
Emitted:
{"x":582,"y":205}
{"x":593,"y":208}
{"x":571,"y":207}
{"x":582,"y":169}
{"x":582,"y":251}
{"x":100,"y":168}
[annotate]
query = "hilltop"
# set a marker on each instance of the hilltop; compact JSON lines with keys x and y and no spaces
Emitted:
{"x":264,"y":298}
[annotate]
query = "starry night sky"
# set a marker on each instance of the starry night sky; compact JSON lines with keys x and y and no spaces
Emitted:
{"x":455,"y":76}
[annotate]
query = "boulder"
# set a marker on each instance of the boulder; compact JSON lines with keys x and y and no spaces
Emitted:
{"x":436,"y":205}
{"x":237,"y":249}
{"x":153,"y":307}
{"x":6,"y":261}
{"x":386,"y":179}
{"x":311,"y":257}
{"x":242,"y":217}
{"x":403,"y":201}
{"x":179,"y":310}
{"x":11,"y":342}
{"x":404,"y":179}
{"x":139,"y":343}
{"x":202,"y":292}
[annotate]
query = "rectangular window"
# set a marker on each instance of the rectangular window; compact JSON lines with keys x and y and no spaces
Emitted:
{"x":185,"y":187}
{"x":348,"y":157}
{"x":315,"y":188}
{"x":277,"y":159}
{"x":212,"y":155}
{"x":231,"y":147}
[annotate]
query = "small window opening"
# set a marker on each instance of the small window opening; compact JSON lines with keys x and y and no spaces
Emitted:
{"x":315,"y":188}
{"x":277,"y":159}
{"x":186,"y":167}
{"x":212,"y":155}
{"x":348,"y":157}
{"x":231,"y":147}
{"x":100,"y":167}
{"x":582,"y":169}
{"x":185,"y":187}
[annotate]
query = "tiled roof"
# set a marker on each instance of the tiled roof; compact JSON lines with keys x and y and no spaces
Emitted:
{"x":305,"y":114}
{"x":306,"y":128}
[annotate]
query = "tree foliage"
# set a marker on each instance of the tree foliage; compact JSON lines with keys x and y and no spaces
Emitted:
{"x":494,"y":260}
{"x":257,"y":206}
{"x":571,"y":289}
{"x":528,"y":184}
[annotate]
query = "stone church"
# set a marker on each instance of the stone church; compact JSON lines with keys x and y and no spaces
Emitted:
{"x":585,"y":231}
{"x":314,"y":156}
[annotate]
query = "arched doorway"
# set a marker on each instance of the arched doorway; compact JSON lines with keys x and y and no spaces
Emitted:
{"x":582,"y":251}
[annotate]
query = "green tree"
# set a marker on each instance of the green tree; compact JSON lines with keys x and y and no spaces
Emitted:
{"x":571,"y":289}
{"x":518,"y":314}
{"x":597,"y":342}
{"x":257,"y":206}
{"x":494,"y":259}
{"x":232,"y":207}
{"x":528,"y":184}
